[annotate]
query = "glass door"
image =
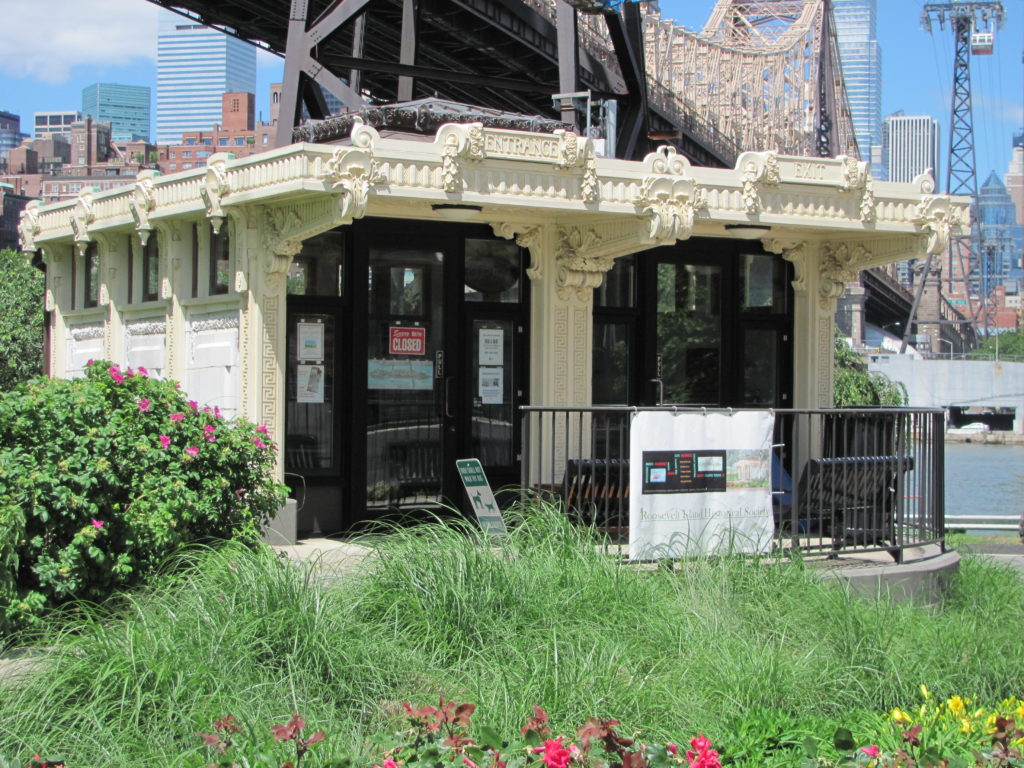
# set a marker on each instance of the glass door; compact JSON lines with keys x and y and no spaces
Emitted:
{"x":406,"y":386}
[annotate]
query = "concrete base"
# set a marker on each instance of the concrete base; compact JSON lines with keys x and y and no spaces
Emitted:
{"x":921,"y":580}
{"x":283,"y":528}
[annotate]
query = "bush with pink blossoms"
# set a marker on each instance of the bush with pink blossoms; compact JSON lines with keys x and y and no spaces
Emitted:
{"x":101,"y":478}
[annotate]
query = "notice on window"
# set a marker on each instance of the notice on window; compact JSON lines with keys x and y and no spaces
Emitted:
{"x":492,"y":386}
{"x":492,"y":346}
{"x":404,"y":340}
{"x":400,"y":374}
{"x":309,"y":341}
{"x":704,"y":482}
{"x":309,"y":384}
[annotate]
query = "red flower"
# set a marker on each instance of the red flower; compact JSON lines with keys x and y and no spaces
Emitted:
{"x":209,"y":429}
{"x":871,"y":751}
{"x":165,"y":441}
{"x":144,"y":405}
{"x":702,"y":755}
{"x":672,"y":749}
{"x":177,"y":417}
{"x":192,"y":451}
{"x":555,"y":755}
{"x":97,"y":524}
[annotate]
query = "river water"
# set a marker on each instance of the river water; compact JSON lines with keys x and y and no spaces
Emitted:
{"x":985,"y":479}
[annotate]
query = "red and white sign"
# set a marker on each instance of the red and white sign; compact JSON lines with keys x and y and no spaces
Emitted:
{"x":407,"y":341}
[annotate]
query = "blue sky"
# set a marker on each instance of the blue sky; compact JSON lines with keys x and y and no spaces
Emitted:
{"x":88,"y":41}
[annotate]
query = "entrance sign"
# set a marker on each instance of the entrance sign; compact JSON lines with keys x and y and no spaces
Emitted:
{"x":481,"y":497}
{"x":704,"y":482}
{"x":407,"y":341}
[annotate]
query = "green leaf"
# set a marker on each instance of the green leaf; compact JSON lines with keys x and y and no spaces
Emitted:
{"x":843,"y":741}
{"x":488,"y":737}
{"x":810,"y":745}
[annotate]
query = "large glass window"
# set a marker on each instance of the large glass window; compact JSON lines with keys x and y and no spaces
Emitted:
{"x":92,"y":276}
{"x":493,"y":271}
{"x":151,"y":269}
{"x":310,"y":396}
{"x":220,"y":260}
{"x":319,"y":268}
{"x":689,"y":332}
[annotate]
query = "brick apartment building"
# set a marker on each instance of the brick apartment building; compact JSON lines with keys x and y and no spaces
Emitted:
{"x":237,"y":133}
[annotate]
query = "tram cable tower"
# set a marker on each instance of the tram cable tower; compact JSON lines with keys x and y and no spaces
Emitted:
{"x":973,"y":25}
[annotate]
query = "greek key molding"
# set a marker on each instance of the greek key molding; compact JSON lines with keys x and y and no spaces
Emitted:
{"x":268,"y":371}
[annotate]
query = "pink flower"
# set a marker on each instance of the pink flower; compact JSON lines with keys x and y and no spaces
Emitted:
{"x":129,"y":373}
{"x":144,"y":405}
{"x":113,"y":369}
{"x":389,"y":763}
{"x":702,"y":755}
{"x":216,"y":412}
{"x":192,"y":451}
{"x":672,"y":749}
{"x":469,"y":763}
{"x":143,"y":371}
{"x":115,"y":374}
{"x":262,"y":429}
{"x":97,"y":524}
{"x":209,"y":429}
{"x":193,"y":405}
{"x":259,"y":443}
{"x":555,"y":755}
{"x":871,"y":751}
{"x":240,"y":493}
{"x":90,"y":361}
{"x":177,"y":417}
{"x":165,"y":441}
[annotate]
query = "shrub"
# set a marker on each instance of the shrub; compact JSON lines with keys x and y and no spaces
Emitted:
{"x":21,"y":319}
{"x":102,"y":477}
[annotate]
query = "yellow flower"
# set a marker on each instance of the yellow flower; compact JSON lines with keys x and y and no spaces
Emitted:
{"x":900,"y":716}
{"x":1019,"y":711}
{"x":965,"y":726}
{"x":924,"y":691}
{"x":956,"y":706}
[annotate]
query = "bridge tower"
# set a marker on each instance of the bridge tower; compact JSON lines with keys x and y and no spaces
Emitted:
{"x":973,"y":24}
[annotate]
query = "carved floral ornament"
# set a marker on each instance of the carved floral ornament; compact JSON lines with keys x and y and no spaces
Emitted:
{"x":581,"y":266}
{"x":142,"y":203}
{"x":215,"y":187}
{"x":81,"y":217}
{"x":795,"y":252}
{"x":525,"y":235}
{"x":937,"y":219}
{"x":838,"y":265}
{"x":758,"y":168}
{"x":29,"y":227}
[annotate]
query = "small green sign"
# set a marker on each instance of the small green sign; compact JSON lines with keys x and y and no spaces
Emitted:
{"x":481,"y":497}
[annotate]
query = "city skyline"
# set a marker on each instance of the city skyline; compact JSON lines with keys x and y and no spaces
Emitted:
{"x":916,"y":71}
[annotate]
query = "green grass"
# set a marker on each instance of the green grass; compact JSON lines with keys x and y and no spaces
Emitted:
{"x":748,"y":653}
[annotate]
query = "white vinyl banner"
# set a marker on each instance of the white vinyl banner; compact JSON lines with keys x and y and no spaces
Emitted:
{"x":699,"y":483}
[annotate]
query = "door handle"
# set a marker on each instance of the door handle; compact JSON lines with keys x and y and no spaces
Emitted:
{"x":447,"y":397}
{"x":661,"y":390}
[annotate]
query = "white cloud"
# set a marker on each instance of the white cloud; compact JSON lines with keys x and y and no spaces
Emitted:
{"x":46,"y":38}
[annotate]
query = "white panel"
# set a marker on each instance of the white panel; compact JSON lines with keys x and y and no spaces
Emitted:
{"x":149,"y":351}
{"x":213,"y":376}
{"x":81,"y":352}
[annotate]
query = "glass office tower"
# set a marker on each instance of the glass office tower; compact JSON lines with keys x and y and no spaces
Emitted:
{"x":861,"y":58}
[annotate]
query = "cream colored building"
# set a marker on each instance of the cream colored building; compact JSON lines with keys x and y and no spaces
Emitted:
{"x":385,"y":306}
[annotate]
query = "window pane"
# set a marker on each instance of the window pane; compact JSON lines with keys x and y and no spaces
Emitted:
{"x":492,"y":383}
{"x":493,"y":271}
{"x":220,"y":261}
{"x":151,"y":269}
{"x":319,"y":269}
{"x":689,"y":327}
{"x":618,"y":288}
{"x":760,"y":358}
{"x":611,"y":363}
{"x":762,"y":283}
{"x":92,"y":276}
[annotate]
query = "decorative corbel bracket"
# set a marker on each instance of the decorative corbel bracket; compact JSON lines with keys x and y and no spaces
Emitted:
{"x":668,"y":199}
{"x":857,"y":177}
{"x":758,"y":169}
{"x":81,"y":217}
{"x":525,"y":236}
{"x":29,"y":227}
{"x":215,"y":187}
{"x":580,"y":261}
{"x":838,"y":265}
{"x":795,"y":252}
{"x":142,"y":203}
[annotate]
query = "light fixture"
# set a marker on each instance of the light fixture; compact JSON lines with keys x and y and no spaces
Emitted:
{"x":747,"y":231}
{"x":456,"y":210}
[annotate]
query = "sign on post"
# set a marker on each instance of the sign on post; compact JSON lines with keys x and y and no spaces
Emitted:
{"x":481,"y":497}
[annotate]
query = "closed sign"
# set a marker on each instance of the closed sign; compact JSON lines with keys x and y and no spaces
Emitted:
{"x":407,"y":341}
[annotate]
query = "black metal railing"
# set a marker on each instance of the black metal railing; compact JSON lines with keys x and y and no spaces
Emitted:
{"x":843,"y":480}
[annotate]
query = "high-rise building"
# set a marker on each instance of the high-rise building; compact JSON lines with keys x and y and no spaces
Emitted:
{"x":1001,"y":235}
{"x":54,"y":123}
{"x":196,"y":65}
{"x":861,"y":59}
{"x":125,"y":107}
{"x":10,"y":131}
{"x":910,"y":146}
{"x":1015,"y":176}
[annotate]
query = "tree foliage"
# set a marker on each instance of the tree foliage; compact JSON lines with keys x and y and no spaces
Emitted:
{"x":21,"y":319}
{"x":856,"y":386}
{"x":1010,"y":345}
